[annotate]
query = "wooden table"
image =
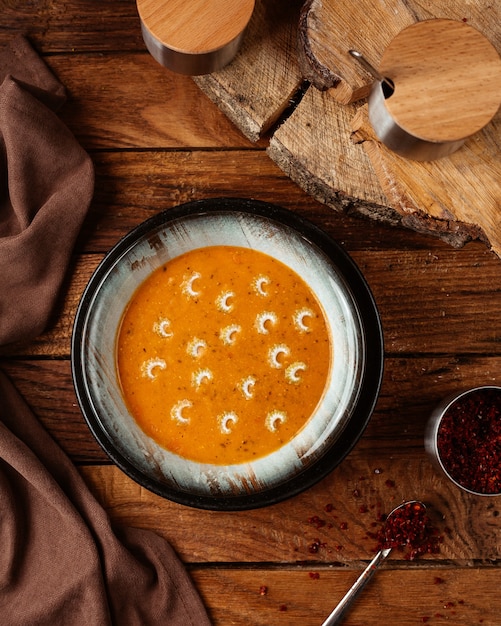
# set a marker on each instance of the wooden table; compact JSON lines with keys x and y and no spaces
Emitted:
{"x":157,"y":141}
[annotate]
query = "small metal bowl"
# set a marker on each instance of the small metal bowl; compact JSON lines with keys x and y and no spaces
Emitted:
{"x":449,"y":436}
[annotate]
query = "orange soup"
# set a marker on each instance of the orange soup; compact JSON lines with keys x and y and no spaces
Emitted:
{"x":223,"y":354}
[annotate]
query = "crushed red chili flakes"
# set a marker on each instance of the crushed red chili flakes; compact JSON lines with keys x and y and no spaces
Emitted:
{"x":314,"y":575}
{"x":315,"y":546}
{"x":263,"y":590}
{"x":316,"y":521}
{"x":409,"y":529}
{"x":469,"y":441}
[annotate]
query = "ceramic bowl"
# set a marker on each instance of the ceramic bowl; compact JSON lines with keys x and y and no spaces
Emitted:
{"x":355,"y":370}
{"x":462,"y":439}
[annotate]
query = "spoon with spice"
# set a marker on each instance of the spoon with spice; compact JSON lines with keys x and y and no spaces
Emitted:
{"x":408,"y":527}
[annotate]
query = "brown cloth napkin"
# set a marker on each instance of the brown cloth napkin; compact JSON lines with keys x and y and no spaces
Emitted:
{"x":61,"y":562}
{"x":46,"y":184}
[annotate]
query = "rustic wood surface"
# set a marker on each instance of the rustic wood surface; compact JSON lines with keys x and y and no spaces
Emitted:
{"x":156,"y":140}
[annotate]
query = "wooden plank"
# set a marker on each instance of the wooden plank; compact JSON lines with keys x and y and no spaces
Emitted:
{"x":415,"y":292}
{"x":151,"y":106}
{"x":76,"y":26}
{"x":255,"y":89}
{"x":132,"y":186}
{"x":359,"y":490}
{"x":406,"y":596}
{"x":412,"y":387}
{"x":473,"y":273}
{"x":47,"y":387}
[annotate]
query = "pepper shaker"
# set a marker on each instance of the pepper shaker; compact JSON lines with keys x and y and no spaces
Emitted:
{"x":195,"y":37}
{"x":442,"y":84}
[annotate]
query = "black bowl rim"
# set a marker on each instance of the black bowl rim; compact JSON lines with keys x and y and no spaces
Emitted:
{"x":370,"y":383}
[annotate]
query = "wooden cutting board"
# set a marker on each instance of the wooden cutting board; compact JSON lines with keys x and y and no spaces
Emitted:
{"x":324,"y":141}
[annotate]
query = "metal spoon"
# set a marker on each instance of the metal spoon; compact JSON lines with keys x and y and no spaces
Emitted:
{"x":368,"y":67}
{"x":338,"y":613}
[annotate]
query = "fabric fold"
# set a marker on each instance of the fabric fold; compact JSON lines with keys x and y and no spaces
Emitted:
{"x":47,"y":183}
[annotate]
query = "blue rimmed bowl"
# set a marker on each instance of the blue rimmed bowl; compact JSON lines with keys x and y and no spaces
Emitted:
{"x":354,"y":378}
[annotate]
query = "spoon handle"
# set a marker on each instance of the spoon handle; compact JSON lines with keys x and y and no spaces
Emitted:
{"x":358,"y":585}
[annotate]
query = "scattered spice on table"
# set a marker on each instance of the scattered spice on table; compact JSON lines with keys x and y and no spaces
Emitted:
{"x":469,"y":441}
{"x":316,"y":521}
{"x":315,"y":546}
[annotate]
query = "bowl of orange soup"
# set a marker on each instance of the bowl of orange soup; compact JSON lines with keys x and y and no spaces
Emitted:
{"x":227,"y":354}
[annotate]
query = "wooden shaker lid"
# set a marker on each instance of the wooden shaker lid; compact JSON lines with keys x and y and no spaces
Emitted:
{"x":192,"y":31}
{"x":447,"y":79}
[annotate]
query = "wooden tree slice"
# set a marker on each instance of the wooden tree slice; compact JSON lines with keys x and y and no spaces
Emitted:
{"x":328,"y":29}
{"x":257,"y":86}
{"x":459,"y":194}
{"x":456,"y":198}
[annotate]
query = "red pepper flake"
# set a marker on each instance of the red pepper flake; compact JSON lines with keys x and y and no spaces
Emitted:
{"x":438,"y":581}
{"x":390,"y":483}
{"x":363,"y":508}
{"x":315,"y":546}
{"x":425,"y":619}
{"x":409,"y":529}
{"x":329,"y":508}
{"x":316,"y":521}
{"x":314,"y":575}
{"x":263,"y":590}
{"x":282,"y":607}
{"x":469,"y":441}
{"x":449,"y":605}
{"x":356,"y":493}
{"x":343,"y":525}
